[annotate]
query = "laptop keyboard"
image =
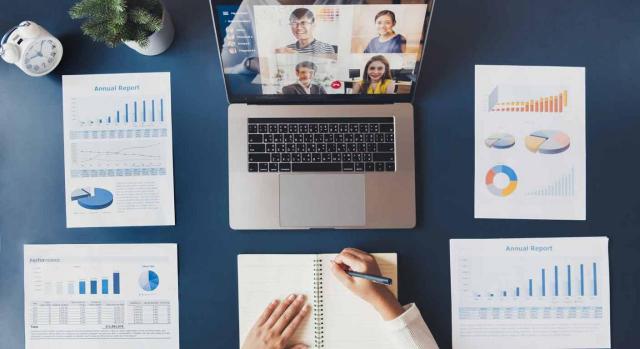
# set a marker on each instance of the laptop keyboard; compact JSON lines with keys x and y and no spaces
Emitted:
{"x":321,"y":144}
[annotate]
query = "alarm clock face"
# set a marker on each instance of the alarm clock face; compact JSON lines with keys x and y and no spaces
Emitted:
{"x":42,"y":56}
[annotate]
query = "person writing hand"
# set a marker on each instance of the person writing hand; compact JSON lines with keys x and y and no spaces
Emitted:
{"x":407,"y":329}
{"x":379,"y":296}
{"x":277,"y":324}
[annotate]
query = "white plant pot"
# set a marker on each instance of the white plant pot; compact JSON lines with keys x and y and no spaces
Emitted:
{"x":158,"y":41}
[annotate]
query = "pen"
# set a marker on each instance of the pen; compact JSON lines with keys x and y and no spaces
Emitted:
{"x":374,"y":278}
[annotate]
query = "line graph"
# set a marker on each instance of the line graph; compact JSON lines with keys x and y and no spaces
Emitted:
{"x":126,"y":154}
{"x":118,"y":158}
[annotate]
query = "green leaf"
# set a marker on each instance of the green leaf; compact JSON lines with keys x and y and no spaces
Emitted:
{"x":114,"y":21}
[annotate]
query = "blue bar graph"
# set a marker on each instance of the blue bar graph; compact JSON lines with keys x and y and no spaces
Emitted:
{"x":94,"y":286}
{"x":555,"y":282}
{"x":595,"y":284}
{"x":131,"y":114}
{"x":558,"y":281}
{"x":568,"y":280}
{"x":581,"y":279}
{"x":116,"y":283}
{"x":82,"y":287}
{"x":105,"y":286}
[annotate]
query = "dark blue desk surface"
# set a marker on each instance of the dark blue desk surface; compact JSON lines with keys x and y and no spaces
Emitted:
{"x":603,"y":36}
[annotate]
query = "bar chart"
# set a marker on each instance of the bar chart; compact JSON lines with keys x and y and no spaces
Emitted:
{"x":556,"y":281}
{"x":90,"y":112}
{"x":564,"y":186}
{"x":528,"y":100}
{"x":530,"y":288}
{"x":98,"y":284}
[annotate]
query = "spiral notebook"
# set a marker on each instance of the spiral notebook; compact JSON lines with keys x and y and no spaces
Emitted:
{"x":339,"y":319}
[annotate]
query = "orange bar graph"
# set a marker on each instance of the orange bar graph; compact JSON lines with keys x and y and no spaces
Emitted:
{"x":550,"y":104}
{"x":561,"y":103}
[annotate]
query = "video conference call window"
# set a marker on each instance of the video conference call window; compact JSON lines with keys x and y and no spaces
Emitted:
{"x":353,"y":48}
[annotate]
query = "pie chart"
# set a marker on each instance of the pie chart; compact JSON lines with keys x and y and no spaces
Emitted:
{"x":500,"y":141}
{"x":547,"y":142}
{"x":149,"y":280}
{"x":511,"y":185}
{"x":92,"y":198}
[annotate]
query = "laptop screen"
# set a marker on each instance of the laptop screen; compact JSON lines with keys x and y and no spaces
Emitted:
{"x":321,"y":51}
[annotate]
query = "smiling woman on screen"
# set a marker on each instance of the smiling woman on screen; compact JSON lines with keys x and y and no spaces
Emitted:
{"x":377,"y":78}
{"x":387,"y":41}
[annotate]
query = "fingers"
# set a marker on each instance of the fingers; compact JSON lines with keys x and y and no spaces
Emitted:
{"x":357,"y":252}
{"x":289,"y":314}
{"x":267,"y":312}
{"x":299,"y":346}
{"x":341,"y":274}
{"x":351,"y":260}
{"x":294,"y":324}
{"x":280,"y":309}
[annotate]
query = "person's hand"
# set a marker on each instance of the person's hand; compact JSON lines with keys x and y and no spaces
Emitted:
{"x":379,"y":296}
{"x":277,"y":324}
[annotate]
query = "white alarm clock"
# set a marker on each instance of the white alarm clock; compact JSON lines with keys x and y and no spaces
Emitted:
{"x":31,"y":48}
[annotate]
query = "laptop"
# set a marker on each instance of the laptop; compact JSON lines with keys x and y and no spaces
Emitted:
{"x":320,"y":119}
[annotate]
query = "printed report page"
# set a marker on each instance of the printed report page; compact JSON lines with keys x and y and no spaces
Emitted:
{"x":530,"y":293}
{"x":101,"y":296}
{"x":118,"y":150}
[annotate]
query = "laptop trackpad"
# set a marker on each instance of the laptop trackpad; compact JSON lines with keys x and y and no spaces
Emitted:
{"x":322,"y":200}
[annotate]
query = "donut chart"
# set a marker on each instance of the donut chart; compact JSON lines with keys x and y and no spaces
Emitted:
{"x":500,"y":141}
{"x":513,"y":180}
{"x":547,"y":142}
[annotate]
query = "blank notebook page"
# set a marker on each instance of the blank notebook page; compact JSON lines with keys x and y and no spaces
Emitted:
{"x":349,"y":322}
{"x":263,"y":278}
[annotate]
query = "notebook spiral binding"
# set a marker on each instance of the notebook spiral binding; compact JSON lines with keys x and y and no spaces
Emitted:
{"x":318,"y":304}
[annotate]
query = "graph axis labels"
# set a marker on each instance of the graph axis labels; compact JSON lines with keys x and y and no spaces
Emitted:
{"x":501,"y":169}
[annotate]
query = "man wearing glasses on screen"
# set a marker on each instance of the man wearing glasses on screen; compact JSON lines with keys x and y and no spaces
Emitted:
{"x":302,"y":23}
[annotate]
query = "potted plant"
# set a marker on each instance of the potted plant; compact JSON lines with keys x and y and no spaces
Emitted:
{"x":143,"y":25}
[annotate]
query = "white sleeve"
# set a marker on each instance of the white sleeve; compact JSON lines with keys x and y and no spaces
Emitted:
{"x":409,"y":331}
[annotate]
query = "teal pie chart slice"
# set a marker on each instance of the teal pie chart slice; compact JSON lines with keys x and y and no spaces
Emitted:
{"x":95,"y":199}
{"x":149,"y":280}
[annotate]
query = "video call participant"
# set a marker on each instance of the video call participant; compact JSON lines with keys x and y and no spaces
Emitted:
{"x":388,"y":41}
{"x":302,"y":23}
{"x":305,"y":71}
{"x":404,"y":325}
{"x":377,"y":78}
